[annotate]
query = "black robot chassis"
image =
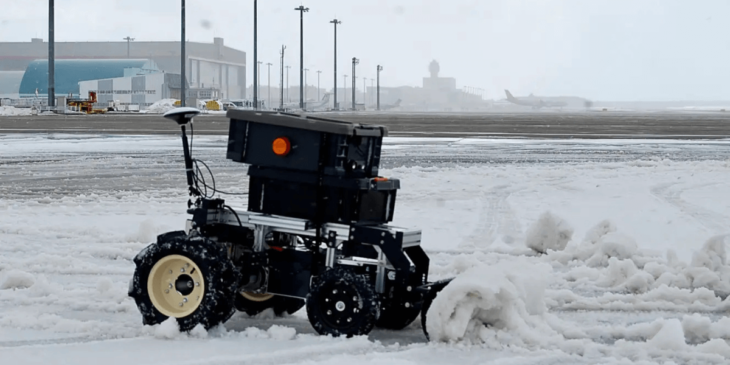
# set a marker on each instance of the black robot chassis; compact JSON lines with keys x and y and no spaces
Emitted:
{"x":315,"y":234}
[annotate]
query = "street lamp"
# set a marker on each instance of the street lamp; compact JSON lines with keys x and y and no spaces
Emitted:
{"x":128,"y":39}
{"x":52,"y":55}
{"x":335,"y":22}
{"x":355,"y":61}
{"x":318,"y":72}
{"x":281,"y":80}
{"x":372,"y":86}
{"x":268,"y":100}
{"x":182,"y":56}
{"x":380,"y":68}
{"x":287,"y":83}
{"x":301,"y":9}
{"x":306,"y":72}
{"x":364,"y":91}
{"x":255,"y":57}
{"x":258,"y":75}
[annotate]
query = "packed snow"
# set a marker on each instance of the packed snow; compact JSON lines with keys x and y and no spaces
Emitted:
{"x":161,"y":106}
{"x":586,"y":252}
{"x":13,"y":111}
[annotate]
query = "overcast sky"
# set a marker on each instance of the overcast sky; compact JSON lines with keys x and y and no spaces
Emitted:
{"x":600,"y":49}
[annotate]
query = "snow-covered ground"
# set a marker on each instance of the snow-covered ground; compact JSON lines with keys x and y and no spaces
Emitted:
{"x":13,"y":111}
{"x":574,"y":251}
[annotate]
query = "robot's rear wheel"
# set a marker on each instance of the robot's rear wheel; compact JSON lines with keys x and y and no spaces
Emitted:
{"x":190,"y":279}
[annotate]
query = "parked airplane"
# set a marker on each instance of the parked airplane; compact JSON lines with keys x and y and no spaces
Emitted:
{"x":537,"y":102}
{"x":311,"y":105}
{"x":391,"y":106}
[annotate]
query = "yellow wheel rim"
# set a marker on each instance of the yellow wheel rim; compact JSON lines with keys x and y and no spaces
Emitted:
{"x":257,"y":297}
{"x":176,"y":286}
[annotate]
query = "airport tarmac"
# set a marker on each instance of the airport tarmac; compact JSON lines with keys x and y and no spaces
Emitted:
{"x":539,"y":124}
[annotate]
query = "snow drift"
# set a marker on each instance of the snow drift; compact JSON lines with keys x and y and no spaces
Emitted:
{"x":16,"y":279}
{"x":162,"y":106}
{"x":496,"y":304}
{"x":13,"y":111}
{"x":550,"y":232}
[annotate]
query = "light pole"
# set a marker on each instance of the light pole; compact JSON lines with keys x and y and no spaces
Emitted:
{"x":364,"y":91}
{"x":380,"y":68}
{"x":255,"y":58}
{"x":128,"y":39}
{"x":345,"y":90}
{"x":335,"y":22}
{"x":301,"y":9}
{"x":372,"y":86}
{"x":355,"y":61}
{"x":258,"y":76}
{"x":281,"y":80}
{"x":306,"y":73}
{"x":52,"y":55}
{"x":318,"y":72}
{"x":287,"y":83}
{"x":268,"y":100}
{"x":182,"y":57}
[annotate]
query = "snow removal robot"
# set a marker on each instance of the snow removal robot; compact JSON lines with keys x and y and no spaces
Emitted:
{"x":315,"y":233}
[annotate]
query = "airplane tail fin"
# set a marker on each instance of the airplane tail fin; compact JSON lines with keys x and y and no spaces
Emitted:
{"x":509,"y":95}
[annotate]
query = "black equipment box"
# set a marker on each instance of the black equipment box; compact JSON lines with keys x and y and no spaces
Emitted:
{"x":304,"y":143}
{"x":339,"y":200}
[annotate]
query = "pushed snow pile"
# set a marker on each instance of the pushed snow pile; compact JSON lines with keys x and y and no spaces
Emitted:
{"x":623,"y":274}
{"x":162,"y":106}
{"x":550,"y":232}
{"x":500,"y":304}
{"x":13,"y":111}
{"x":710,"y":268}
{"x":599,"y":230}
{"x":147,"y":232}
{"x":275,"y":332}
{"x":16,"y":279}
{"x":169,"y":330}
{"x":612,"y":245}
{"x":601,"y":243}
{"x":669,"y":337}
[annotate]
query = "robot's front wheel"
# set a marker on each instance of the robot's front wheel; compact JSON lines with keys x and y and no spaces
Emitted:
{"x":342,"y":302}
{"x":190,"y":279}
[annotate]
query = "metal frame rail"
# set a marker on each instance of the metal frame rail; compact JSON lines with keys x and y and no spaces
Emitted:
{"x":389,"y":242}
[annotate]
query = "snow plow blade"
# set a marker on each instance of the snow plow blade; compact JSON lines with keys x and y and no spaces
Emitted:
{"x":430,"y":291}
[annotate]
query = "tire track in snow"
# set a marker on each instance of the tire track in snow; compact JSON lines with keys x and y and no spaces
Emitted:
{"x":50,"y":342}
{"x":672,"y":194}
{"x":496,"y":218}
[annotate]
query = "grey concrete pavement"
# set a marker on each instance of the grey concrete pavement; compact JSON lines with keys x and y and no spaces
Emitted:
{"x":541,"y":124}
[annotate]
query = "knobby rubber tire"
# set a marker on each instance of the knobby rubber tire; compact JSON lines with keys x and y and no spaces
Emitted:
{"x":361,"y":303}
{"x":281,"y":305}
{"x":220,"y":278}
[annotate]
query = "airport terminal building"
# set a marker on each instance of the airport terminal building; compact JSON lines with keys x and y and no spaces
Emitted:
{"x":211,"y":66}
